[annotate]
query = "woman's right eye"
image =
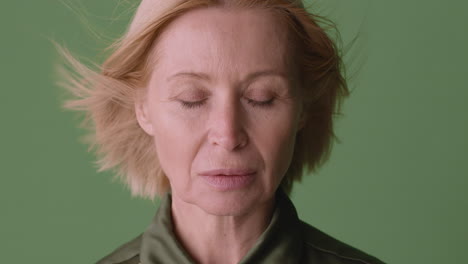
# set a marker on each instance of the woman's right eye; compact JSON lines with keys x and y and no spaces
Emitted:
{"x":192,"y":104}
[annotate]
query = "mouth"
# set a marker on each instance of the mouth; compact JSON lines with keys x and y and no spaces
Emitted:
{"x":227,"y":172}
{"x":228,"y":179}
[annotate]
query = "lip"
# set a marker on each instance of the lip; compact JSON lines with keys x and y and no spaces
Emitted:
{"x":227,"y":172}
{"x":228,"y":179}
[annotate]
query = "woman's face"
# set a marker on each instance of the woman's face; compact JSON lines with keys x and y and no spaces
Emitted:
{"x":223,"y":109}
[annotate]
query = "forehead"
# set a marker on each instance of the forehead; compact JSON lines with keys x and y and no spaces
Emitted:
{"x":224,"y":43}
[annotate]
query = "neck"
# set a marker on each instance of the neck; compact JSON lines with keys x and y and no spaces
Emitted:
{"x":214,"y":239}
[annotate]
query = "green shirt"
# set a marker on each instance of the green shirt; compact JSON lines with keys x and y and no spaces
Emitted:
{"x":287,"y":239}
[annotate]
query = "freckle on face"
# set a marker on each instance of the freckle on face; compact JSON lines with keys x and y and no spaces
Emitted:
{"x":212,"y":58}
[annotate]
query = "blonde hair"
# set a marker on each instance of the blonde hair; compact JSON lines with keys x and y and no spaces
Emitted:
{"x":107,"y":95}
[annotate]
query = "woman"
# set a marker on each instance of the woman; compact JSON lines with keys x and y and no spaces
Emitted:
{"x":218,"y":106}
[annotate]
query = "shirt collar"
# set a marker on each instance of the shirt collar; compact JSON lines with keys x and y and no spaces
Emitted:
{"x":281,"y":242}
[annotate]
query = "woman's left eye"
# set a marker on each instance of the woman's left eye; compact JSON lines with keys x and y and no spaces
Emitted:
{"x":256,"y":103}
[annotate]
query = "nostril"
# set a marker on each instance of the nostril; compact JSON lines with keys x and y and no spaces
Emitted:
{"x":229,"y":140}
{"x":227,"y":125}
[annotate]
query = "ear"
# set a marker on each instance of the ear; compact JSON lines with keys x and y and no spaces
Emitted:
{"x":142,"y":115}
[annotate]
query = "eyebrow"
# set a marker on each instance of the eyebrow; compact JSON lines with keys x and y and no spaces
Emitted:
{"x":250,"y":77}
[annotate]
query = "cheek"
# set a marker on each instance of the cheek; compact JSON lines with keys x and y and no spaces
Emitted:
{"x":175,"y":143}
{"x":279,"y":146}
{"x":275,"y":140}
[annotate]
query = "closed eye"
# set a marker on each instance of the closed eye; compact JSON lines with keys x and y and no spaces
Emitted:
{"x":190,"y":105}
{"x":255,"y":103}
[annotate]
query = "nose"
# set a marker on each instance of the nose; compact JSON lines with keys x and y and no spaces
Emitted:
{"x":227,"y":127}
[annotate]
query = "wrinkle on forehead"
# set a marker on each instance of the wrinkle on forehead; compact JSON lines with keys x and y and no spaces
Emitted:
{"x":225,"y":41}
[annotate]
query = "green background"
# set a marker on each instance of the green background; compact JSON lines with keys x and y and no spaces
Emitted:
{"x":396,"y":185}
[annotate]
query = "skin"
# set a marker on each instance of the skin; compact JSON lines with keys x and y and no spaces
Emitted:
{"x":221,"y":95}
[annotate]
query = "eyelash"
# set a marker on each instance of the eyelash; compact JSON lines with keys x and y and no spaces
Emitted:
{"x":265,"y":104}
{"x":190,"y":105}
{"x":261,"y":103}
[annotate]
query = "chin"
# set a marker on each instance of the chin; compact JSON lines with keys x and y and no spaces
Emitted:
{"x":235,"y":203}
